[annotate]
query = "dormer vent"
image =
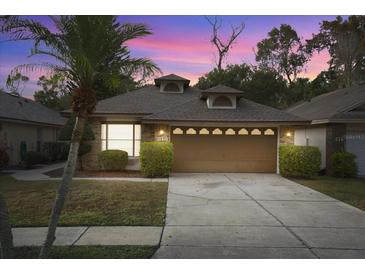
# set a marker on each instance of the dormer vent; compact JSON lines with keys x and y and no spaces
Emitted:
{"x":172,"y":83}
{"x":221,"y":97}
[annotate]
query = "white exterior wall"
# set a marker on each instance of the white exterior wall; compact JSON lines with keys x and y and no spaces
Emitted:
{"x":12,"y":134}
{"x":314,"y":136}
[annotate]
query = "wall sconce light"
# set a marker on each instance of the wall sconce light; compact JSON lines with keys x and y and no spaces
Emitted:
{"x":161,"y":132}
{"x":288,"y":134}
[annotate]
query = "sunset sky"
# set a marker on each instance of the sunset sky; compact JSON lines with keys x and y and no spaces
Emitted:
{"x":180,"y":44}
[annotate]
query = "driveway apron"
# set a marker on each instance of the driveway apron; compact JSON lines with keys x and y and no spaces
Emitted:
{"x":242,"y":215}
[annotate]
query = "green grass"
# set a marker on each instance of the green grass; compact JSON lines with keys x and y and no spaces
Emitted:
{"x":88,"y":202}
{"x":88,"y":252}
{"x":348,"y":190}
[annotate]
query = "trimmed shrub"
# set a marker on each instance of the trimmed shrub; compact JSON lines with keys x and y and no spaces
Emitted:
{"x":4,"y":158}
{"x":112,"y":160}
{"x":156,"y":158}
{"x":344,"y":164}
{"x":299,"y":161}
{"x":56,"y":151}
{"x":32,"y":158}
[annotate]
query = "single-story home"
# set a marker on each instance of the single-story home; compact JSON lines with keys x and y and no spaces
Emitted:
{"x":214,"y":130}
{"x":25,"y":125}
{"x":337,"y":124}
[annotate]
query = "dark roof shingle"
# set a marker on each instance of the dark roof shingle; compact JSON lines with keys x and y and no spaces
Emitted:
{"x":23,"y":109}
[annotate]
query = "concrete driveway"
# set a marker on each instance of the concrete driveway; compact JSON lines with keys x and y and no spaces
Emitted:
{"x":256,"y":216}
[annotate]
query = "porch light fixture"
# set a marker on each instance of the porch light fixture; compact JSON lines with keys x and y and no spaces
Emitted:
{"x":288,"y":134}
{"x":161,"y":132}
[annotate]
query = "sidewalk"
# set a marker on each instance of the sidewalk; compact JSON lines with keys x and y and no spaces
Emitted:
{"x":90,"y":235}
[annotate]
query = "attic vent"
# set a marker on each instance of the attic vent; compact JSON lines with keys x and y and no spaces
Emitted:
{"x":171,"y":87}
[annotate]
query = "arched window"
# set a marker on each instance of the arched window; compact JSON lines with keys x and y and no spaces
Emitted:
{"x":171,"y":87}
{"x":222,"y":101}
{"x":177,"y":131}
{"x":243,"y":131}
{"x":217,"y":131}
{"x":230,"y":132}
{"x":269,"y":131}
{"x":203,"y":131}
{"x":191,"y":131}
{"x":256,"y":131}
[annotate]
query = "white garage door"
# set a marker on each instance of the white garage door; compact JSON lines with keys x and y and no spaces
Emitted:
{"x":355,"y":143}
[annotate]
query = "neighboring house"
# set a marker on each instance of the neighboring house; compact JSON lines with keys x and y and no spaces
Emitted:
{"x":25,"y":125}
{"x":337,"y":124}
{"x":214,"y":130}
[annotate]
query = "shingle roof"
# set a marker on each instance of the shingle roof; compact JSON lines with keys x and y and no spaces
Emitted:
{"x":23,"y":109}
{"x":146,"y":100}
{"x":171,"y":77}
{"x":331,"y":105}
{"x":246,"y":111}
{"x":222,"y":89}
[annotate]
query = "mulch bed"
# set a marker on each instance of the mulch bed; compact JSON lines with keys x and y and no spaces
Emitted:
{"x":57,"y":173}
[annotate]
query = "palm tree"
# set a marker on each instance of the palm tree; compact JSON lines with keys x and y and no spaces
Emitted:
{"x":85,"y":48}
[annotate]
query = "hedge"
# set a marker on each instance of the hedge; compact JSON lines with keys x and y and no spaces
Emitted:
{"x":112,"y":160}
{"x":343,"y":164}
{"x":299,"y":161}
{"x":156,"y":158}
{"x":4,"y":158}
{"x":56,"y":151}
{"x":32,"y":158}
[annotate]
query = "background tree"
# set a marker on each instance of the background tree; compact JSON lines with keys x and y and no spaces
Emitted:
{"x":53,"y":93}
{"x":81,"y":47}
{"x":283,"y":52}
{"x":345,"y":42}
{"x":15,"y":82}
{"x":223,"y":46}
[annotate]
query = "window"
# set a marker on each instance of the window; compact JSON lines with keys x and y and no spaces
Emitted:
{"x":177,"y":131}
{"x":217,"y":131}
{"x":203,"y":131}
{"x":230,"y":132}
{"x":171,"y":87}
{"x":191,"y":131}
{"x":125,"y":137}
{"x":256,"y":131}
{"x":269,"y":131}
{"x":222,"y":101}
{"x":39,"y":139}
{"x":243,"y":131}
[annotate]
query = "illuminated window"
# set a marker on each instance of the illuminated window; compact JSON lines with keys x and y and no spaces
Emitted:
{"x":177,"y":131}
{"x":191,"y":131}
{"x":243,"y":131}
{"x":171,"y":87}
{"x":203,"y":131}
{"x":269,"y":131}
{"x":125,"y":137}
{"x":230,"y":132}
{"x":217,"y":131}
{"x":222,"y":101}
{"x":255,"y":132}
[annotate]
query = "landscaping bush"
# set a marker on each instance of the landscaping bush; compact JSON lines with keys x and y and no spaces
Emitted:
{"x":4,"y":158}
{"x":156,"y":158}
{"x":343,"y":164}
{"x":32,"y":158}
{"x":299,"y":161}
{"x":56,"y":151}
{"x":112,"y":160}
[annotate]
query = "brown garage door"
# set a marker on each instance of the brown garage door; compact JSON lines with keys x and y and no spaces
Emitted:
{"x":224,"y":153}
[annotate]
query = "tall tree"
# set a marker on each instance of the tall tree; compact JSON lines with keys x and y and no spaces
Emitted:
{"x":345,"y":42}
{"x":53,"y":93}
{"x":283,"y":52}
{"x":81,"y":46}
{"x":223,"y":46}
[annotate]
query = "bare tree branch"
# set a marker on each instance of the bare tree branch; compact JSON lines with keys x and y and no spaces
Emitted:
{"x":222,"y":46}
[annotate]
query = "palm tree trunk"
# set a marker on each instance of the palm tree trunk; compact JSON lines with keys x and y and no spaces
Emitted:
{"x":68,"y":173}
{"x":6,"y":237}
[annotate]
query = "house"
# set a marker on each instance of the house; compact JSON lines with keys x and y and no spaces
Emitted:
{"x":337,"y":124}
{"x":214,"y":130}
{"x":25,"y":125}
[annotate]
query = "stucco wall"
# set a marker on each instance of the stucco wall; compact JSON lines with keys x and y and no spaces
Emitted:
{"x":12,"y":134}
{"x":312,"y":136}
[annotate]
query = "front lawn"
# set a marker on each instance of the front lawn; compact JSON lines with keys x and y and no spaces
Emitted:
{"x":88,"y":252}
{"x":96,"y":203}
{"x":350,"y":191}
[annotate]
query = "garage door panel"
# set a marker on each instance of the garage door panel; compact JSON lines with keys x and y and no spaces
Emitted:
{"x":197,"y":153}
